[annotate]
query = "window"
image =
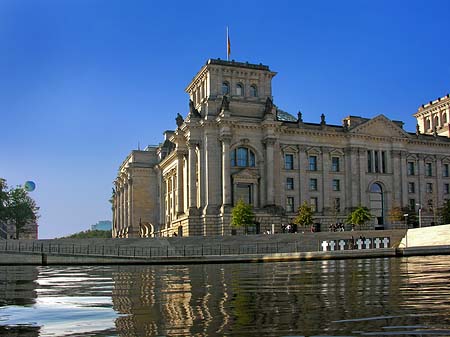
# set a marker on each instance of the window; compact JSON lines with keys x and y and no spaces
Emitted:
{"x":244,"y":192}
{"x":445,"y":170}
{"x":313,"y":204}
{"x":335,"y":164}
{"x":253,"y":91}
{"x":336,"y":185}
{"x":369,"y":161}
{"x":289,"y":204}
{"x":377,"y":169}
{"x":383,"y":162}
{"x":313,"y":184}
{"x":242,"y":157}
{"x":427,"y":124}
{"x":429,"y":187}
{"x":225,"y":88}
{"x":411,"y":188}
{"x":410,"y":168}
{"x":429,"y":169}
{"x":446,"y":188}
{"x":312,"y":163}
{"x":337,"y":204}
{"x":289,"y":183}
{"x":239,"y":89}
{"x":289,"y":161}
{"x":444,"y":118}
{"x":412,"y":204}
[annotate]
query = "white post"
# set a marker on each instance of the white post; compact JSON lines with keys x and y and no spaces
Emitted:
{"x":324,"y":245}
{"x":341,"y":244}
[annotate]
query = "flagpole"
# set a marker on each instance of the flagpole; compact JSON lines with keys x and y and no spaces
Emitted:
{"x":228,"y":45}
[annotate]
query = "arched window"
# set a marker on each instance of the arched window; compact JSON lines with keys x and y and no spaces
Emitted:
{"x":225,"y":88}
{"x":253,"y":91}
{"x":427,"y":124}
{"x":436,"y":121}
{"x":444,"y":118}
{"x":239,"y":89}
{"x":376,"y":202}
{"x":242,"y":157}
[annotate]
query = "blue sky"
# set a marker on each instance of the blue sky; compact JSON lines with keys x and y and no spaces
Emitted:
{"x":83,"y":82}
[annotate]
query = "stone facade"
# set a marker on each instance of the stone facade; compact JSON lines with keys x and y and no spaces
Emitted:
{"x":235,"y":143}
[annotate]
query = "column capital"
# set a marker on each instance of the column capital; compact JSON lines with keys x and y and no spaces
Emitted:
{"x":269,"y":141}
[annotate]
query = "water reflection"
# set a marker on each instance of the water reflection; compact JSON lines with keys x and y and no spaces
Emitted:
{"x":374,"y":297}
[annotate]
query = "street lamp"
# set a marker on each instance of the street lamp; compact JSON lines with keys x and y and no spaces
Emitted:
{"x":420,"y":215}
{"x":406,"y":219}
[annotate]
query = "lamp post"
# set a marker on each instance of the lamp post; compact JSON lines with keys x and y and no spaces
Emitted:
{"x":406,"y":219}
{"x":420,"y":215}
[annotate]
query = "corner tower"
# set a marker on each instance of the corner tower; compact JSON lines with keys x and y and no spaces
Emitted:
{"x":246,"y":85}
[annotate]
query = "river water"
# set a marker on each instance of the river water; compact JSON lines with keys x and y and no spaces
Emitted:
{"x":365,"y":297}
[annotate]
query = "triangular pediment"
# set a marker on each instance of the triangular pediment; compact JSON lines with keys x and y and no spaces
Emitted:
{"x":246,"y":174}
{"x":380,"y":126}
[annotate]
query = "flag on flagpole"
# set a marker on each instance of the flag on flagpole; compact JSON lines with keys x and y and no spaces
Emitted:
{"x":228,"y":45}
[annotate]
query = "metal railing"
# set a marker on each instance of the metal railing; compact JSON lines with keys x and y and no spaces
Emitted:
{"x":162,"y":251}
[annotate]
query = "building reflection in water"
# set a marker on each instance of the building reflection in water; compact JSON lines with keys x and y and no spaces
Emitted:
{"x":305,"y":298}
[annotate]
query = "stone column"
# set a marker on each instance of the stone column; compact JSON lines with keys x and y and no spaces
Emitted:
{"x":326,"y":182}
{"x":361,"y":169}
{"x":302,"y":177}
{"x":226,"y":179}
{"x":269,"y":170}
{"x":121,"y":222}
{"x":130,"y":203}
{"x":192,"y":173}
{"x":422,"y":184}
{"x":180,"y":206}
{"x":174,"y":199}
{"x":125,"y":205}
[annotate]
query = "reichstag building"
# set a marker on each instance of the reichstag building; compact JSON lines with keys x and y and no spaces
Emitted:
{"x":235,"y":143}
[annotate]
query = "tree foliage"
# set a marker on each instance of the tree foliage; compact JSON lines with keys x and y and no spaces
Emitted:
{"x":359,"y":216}
{"x":16,"y":207}
{"x":444,"y":212}
{"x":89,"y":234}
{"x":242,"y":214}
{"x":304,"y":215}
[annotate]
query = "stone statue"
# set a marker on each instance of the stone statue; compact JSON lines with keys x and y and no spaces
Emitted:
{"x":179,"y":120}
{"x":345,"y":124}
{"x":269,"y":106}
{"x":299,"y":117}
{"x":417,"y":129}
{"x":193,"y":112}
{"x":225,"y":103}
{"x":322,"y":119}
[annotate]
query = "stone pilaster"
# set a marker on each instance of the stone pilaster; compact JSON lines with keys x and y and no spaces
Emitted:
{"x":269,"y":171}
{"x":192,"y":175}
{"x":180,"y":204}
{"x":226,"y":171}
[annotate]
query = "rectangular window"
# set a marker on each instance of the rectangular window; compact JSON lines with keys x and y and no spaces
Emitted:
{"x":313,"y":204}
{"x":383,"y":162}
{"x":337,"y":204}
{"x":445,"y":170}
{"x":312,"y":163}
{"x":429,"y":169}
{"x":289,"y":161}
{"x":313,"y":184}
{"x":410,"y":168}
{"x":289,"y":183}
{"x":336,"y":185}
{"x":335,"y":164}
{"x":411,"y":188}
{"x":289,"y":204}
{"x":429,"y":187}
{"x":446,"y":188}
{"x":377,"y":169}
{"x":412,"y":204}
{"x":369,"y":161}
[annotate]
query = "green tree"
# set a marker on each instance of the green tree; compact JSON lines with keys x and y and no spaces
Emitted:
{"x":444,"y":212}
{"x":359,"y":216}
{"x":304,"y":215}
{"x":89,"y":234}
{"x":21,"y":208}
{"x":3,"y":201}
{"x":242,"y":215}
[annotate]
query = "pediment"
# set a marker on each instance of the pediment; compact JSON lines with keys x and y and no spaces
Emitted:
{"x":246,"y":175}
{"x":290,"y":149}
{"x":380,"y":126}
{"x":313,"y":151}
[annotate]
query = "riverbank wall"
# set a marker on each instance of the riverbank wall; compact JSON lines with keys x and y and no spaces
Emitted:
{"x":231,"y":249}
